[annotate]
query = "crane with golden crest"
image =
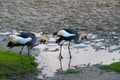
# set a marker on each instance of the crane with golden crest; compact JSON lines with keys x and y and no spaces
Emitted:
{"x":69,"y":35}
{"x":26,"y":39}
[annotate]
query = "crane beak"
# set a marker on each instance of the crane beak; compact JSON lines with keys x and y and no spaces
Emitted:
{"x":84,"y":38}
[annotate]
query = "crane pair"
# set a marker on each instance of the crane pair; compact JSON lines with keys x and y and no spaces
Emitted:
{"x":29,"y":39}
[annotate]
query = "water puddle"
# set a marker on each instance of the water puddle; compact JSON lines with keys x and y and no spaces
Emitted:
{"x":87,"y":53}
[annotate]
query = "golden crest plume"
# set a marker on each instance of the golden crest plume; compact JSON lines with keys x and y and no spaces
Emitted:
{"x":14,"y":41}
{"x":43,"y":37}
{"x":83,"y":34}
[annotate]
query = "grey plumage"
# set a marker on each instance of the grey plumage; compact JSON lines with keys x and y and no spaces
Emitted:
{"x":68,"y":35}
{"x":30,"y":44}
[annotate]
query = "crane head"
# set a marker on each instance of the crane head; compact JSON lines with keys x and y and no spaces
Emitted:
{"x":43,"y":39}
{"x":12,"y":42}
{"x":83,"y":35}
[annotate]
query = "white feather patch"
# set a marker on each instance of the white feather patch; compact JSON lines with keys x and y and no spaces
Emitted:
{"x":64,"y":33}
{"x":21,"y":40}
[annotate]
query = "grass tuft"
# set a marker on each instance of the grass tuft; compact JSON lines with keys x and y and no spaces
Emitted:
{"x":72,"y":71}
{"x":112,"y":67}
{"x":11,"y":67}
{"x":69,"y":71}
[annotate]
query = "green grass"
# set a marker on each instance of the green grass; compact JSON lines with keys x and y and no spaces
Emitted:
{"x":68,"y":71}
{"x":11,"y":67}
{"x":72,"y":71}
{"x":112,"y":67}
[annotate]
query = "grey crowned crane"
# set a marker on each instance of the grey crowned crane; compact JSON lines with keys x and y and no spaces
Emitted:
{"x":26,"y":39}
{"x":69,"y":35}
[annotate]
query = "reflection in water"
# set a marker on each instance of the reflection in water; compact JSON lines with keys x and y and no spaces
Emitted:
{"x":61,"y":67}
{"x":69,"y":63}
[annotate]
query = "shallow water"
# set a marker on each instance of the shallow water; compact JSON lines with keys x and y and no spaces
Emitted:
{"x":89,"y":52}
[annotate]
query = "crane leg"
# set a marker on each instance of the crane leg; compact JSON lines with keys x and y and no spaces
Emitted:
{"x":61,"y":68}
{"x":21,"y":55}
{"x":69,"y":50}
{"x":60,"y":56}
{"x":29,"y":54}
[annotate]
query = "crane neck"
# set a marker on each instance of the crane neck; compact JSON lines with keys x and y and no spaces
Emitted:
{"x":78,"y":40}
{"x":37,"y":42}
